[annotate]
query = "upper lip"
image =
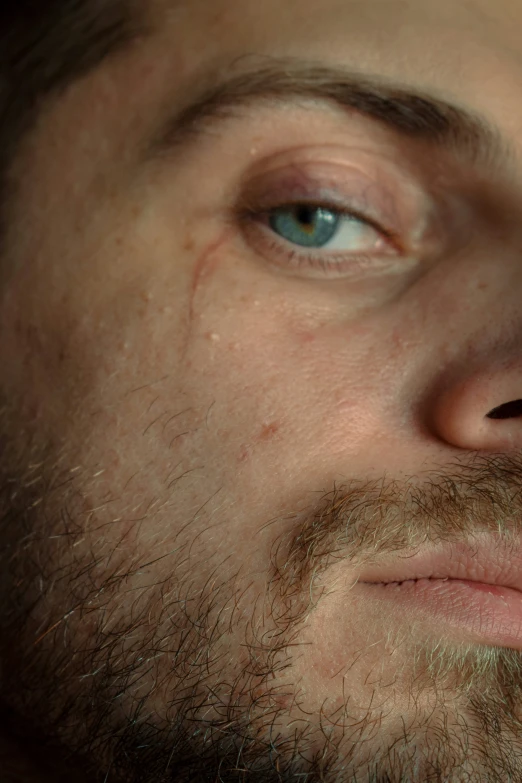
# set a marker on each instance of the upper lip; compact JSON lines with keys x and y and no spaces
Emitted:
{"x":483,"y":560}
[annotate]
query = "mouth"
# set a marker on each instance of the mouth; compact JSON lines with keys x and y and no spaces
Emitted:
{"x":476,"y":589}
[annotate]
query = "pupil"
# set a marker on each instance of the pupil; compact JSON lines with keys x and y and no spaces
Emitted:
{"x":305,"y":215}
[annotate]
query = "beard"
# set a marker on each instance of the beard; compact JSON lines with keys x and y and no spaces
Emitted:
{"x":167,"y":664}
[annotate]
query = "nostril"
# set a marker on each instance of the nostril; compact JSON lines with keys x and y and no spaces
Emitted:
{"x":508,"y":411}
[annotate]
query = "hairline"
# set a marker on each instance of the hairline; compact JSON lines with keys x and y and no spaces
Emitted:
{"x":31,"y":79}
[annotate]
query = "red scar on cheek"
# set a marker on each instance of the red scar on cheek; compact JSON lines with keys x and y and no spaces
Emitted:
{"x":205,"y":266}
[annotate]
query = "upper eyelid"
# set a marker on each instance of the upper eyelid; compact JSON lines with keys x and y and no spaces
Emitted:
{"x":346,"y":176}
{"x":366,"y":204}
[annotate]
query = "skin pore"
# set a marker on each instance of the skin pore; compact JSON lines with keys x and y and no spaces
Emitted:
{"x":204,"y":442}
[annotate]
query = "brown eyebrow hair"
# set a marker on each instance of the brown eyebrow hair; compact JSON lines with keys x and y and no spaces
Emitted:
{"x":411,"y":113}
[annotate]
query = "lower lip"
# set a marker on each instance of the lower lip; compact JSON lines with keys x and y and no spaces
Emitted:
{"x":490,"y":613}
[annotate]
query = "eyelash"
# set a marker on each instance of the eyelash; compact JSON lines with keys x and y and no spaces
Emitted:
{"x":255,"y":219}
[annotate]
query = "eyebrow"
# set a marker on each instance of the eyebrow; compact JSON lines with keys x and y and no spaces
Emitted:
{"x":408,"y":112}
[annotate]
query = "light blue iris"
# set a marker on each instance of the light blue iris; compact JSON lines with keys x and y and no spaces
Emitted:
{"x":304,"y":225}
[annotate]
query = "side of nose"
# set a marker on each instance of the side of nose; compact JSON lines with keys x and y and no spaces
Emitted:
{"x":483,"y":412}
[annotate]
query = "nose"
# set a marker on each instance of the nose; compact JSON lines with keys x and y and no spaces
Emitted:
{"x":482,"y":412}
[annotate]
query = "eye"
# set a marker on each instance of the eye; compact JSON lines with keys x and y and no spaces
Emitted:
{"x":321,"y":233}
{"x":312,"y":226}
{"x":319,"y":240}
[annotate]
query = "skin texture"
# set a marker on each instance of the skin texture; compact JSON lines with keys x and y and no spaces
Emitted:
{"x":202,"y":447}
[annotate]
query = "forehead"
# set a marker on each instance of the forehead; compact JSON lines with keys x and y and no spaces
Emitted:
{"x":465,"y":52}
{"x":451,"y":45}
{"x":500,"y":20}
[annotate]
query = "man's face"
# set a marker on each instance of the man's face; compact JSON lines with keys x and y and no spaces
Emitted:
{"x":246,"y":364}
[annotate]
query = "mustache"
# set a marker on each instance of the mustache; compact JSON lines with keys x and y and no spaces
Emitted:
{"x":359,"y":521}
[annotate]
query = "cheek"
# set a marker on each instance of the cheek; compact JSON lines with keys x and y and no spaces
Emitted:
{"x":208,"y":354}
{"x":294,"y":395}
{"x":248,"y":364}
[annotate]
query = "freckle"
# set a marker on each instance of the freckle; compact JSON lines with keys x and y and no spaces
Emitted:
{"x":307,"y":337}
{"x":268,"y":431}
{"x":189,"y":244}
{"x":205,"y":266}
